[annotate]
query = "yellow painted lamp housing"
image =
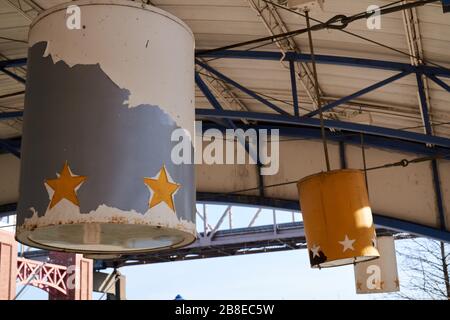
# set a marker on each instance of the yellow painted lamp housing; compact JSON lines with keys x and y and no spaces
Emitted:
{"x":337,"y":218}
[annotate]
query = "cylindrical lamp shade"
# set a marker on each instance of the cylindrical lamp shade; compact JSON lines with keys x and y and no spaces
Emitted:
{"x":108,"y":84}
{"x":337,"y":218}
{"x":380,"y":275}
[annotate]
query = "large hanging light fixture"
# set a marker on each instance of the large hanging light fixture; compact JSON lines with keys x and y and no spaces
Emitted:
{"x":337,"y":218}
{"x":335,"y":207}
{"x":108,"y":83}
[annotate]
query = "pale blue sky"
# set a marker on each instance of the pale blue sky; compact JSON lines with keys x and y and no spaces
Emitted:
{"x":279,"y":275}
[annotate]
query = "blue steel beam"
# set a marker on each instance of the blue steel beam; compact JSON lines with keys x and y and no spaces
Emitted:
{"x":208,"y":94}
{"x":13,"y":75}
{"x":248,"y":148}
{"x":314,"y":133}
{"x":340,"y":137}
{"x":353,"y":139}
{"x":342,"y":155}
{"x":10,"y":115}
{"x":327,"y":59}
{"x":13,"y":63}
{"x":7,"y":146}
{"x":240,"y":87}
{"x":8,"y":209}
{"x":423,"y":105}
{"x":300,"y":57}
{"x":290,"y":56}
{"x":210,"y":97}
{"x":303,"y":132}
{"x":434,"y":166}
{"x":294,"y":88}
{"x":349,"y":138}
{"x":445,"y":6}
{"x":340,"y":125}
{"x":439,"y":82}
{"x":438,"y":193}
{"x":379,"y":219}
{"x":216,"y":105}
{"x":359,"y":93}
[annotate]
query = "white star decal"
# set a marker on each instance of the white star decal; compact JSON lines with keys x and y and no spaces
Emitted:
{"x":315,"y":250}
{"x":347,"y":244}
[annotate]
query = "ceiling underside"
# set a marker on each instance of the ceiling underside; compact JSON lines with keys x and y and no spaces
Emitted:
{"x":402,"y":193}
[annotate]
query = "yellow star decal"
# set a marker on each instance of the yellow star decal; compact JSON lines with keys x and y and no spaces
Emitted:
{"x":163,"y":189}
{"x":65,"y":186}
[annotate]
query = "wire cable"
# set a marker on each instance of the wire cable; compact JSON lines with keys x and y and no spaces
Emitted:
{"x":402,"y":163}
{"x":13,"y":94}
{"x":316,"y":88}
{"x":12,"y":39}
{"x":337,"y":22}
{"x":357,"y":35}
{"x":257,"y":92}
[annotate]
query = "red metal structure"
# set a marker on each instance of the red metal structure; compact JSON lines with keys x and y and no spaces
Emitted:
{"x":42,"y":275}
{"x":65,"y":277}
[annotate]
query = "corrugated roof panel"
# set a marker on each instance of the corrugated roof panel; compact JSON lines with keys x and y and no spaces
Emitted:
{"x":221,"y":22}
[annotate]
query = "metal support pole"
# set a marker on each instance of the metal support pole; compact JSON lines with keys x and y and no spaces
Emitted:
{"x":294,"y":87}
{"x":438,"y":192}
{"x":205,"y":223}
{"x":275,"y":227}
{"x":316,"y":85}
{"x":219,"y":223}
{"x":423,"y":105}
{"x":434,"y":163}
{"x":254,"y":218}
{"x":13,"y":75}
{"x":439,"y":82}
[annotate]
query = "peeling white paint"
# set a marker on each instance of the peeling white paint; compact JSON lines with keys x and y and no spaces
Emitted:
{"x":140,"y":48}
{"x":65,"y":212}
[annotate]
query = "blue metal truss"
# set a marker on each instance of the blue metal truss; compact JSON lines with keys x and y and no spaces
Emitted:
{"x":327,"y":59}
{"x":439,"y":82}
{"x":13,"y":63}
{"x":403,"y":68}
{"x":228,"y":123}
{"x":379,"y":219}
{"x":294,"y":88}
{"x":305,"y":126}
{"x":277,"y":119}
{"x":379,"y":136}
{"x":413,"y":148}
{"x":10,"y":146}
{"x":240,"y":87}
{"x":10,"y":115}
{"x":359,"y":93}
{"x":4,"y":64}
{"x":445,"y":5}
{"x":13,"y":75}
